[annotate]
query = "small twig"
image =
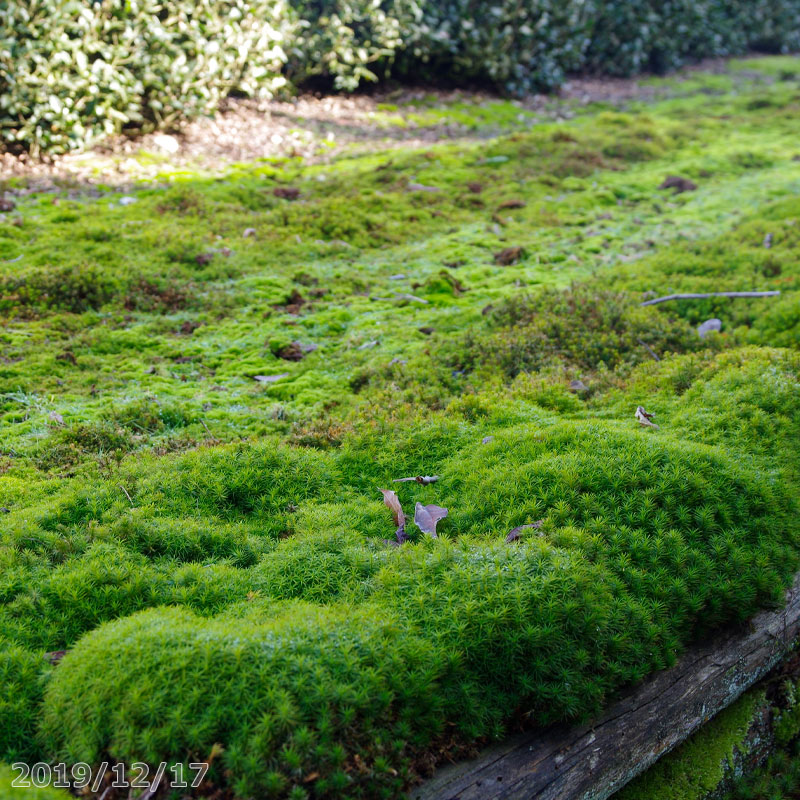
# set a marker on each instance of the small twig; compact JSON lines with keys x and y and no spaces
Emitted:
{"x":203,"y":423}
{"x":709,"y":294}
{"x":126,"y":493}
{"x":649,"y":350}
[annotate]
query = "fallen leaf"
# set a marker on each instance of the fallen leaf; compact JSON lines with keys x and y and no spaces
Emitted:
{"x":516,"y":203}
{"x":189,"y":327}
{"x":270,"y":378}
{"x":577,"y":386}
{"x":312,"y":776}
{"x":412,"y":298}
{"x":423,"y":479}
{"x":678,"y":183}
{"x":56,"y":417}
{"x":392,"y":502}
{"x":516,"y":533}
{"x":368,"y":345}
{"x":421,"y":187}
{"x":204,"y":258}
{"x":508,"y":256}
{"x":426,"y":517}
{"x":69,"y":356}
{"x":644,"y":417}
{"x":286,"y":192}
{"x":295,"y":351}
{"x":55,"y":656}
{"x":248,"y":232}
{"x":6,"y":204}
{"x":427,"y":330}
{"x":475,"y":187}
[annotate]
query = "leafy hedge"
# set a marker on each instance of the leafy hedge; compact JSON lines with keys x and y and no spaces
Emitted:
{"x":71,"y":72}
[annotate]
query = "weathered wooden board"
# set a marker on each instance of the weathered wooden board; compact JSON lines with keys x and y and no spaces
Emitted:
{"x":594,"y":761}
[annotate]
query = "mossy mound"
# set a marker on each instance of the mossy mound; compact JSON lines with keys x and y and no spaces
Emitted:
{"x":196,"y":424}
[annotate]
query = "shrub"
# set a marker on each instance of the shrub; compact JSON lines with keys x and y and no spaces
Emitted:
{"x":71,"y":72}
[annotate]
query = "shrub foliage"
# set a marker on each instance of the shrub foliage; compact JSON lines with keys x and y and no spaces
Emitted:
{"x":71,"y":72}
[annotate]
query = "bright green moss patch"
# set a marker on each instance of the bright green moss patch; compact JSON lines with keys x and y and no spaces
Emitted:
{"x":195,"y":424}
{"x":697,"y":767}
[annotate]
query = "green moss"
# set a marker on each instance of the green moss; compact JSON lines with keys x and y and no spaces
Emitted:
{"x":161,"y":498}
{"x":697,"y":766}
{"x":20,"y":791}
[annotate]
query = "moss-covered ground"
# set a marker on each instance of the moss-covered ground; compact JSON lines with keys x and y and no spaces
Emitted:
{"x":211,"y":548}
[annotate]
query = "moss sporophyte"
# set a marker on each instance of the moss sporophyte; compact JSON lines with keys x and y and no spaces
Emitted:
{"x":195,"y":425}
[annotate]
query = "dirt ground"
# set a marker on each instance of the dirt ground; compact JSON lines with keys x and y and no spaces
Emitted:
{"x":314,"y":128}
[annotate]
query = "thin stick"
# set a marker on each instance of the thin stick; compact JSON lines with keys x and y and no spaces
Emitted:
{"x":649,"y":350}
{"x":203,"y":423}
{"x":710,"y":294}
{"x":126,"y":493}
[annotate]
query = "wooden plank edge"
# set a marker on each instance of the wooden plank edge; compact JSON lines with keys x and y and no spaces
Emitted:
{"x":593,"y":761}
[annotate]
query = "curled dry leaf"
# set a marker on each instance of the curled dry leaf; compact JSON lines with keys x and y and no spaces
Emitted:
{"x":286,"y":192}
{"x":423,"y":479}
{"x":392,"y":502}
{"x":645,"y":417}
{"x":678,"y":184}
{"x":55,"y":656}
{"x":516,"y":533}
{"x":508,"y":256}
{"x":426,"y":517}
{"x":513,"y":203}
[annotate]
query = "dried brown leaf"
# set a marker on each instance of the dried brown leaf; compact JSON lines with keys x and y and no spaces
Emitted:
{"x":426,"y":517}
{"x":509,"y":255}
{"x":392,"y":502}
{"x":645,"y":417}
{"x":516,"y":533}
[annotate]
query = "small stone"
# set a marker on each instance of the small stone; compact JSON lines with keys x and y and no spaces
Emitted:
{"x":708,"y":326}
{"x":166,"y":143}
